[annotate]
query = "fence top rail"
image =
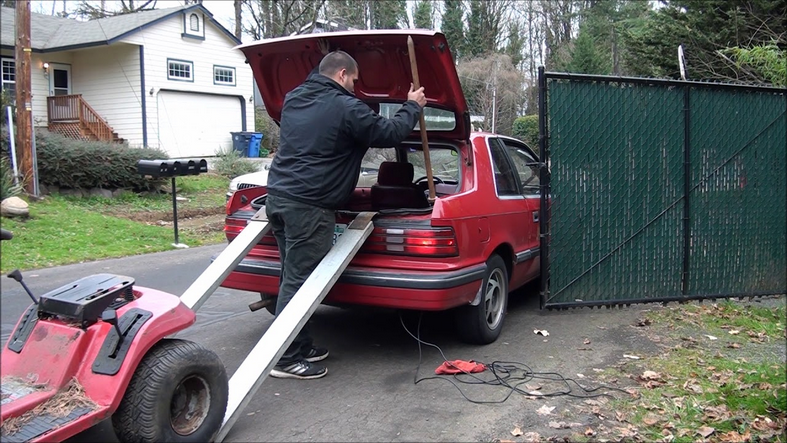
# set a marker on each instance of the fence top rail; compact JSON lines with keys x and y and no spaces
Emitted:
{"x":661,"y":82}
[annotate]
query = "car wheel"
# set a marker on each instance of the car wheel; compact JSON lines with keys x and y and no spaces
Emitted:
{"x":177,"y":394}
{"x":482,"y":324}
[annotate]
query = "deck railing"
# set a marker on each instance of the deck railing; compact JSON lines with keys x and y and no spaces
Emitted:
{"x":73,"y":108}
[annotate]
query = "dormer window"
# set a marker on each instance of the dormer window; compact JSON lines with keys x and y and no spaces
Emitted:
{"x":194,"y":23}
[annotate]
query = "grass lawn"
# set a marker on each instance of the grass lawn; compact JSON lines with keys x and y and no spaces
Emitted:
{"x":63,"y":230}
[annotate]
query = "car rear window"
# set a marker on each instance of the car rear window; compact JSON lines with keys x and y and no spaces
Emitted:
{"x":435,"y":119}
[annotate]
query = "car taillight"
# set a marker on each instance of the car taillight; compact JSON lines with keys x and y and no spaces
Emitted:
{"x":434,"y":242}
{"x":235,"y":225}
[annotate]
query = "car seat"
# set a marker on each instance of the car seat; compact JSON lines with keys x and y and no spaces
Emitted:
{"x":395,"y":188}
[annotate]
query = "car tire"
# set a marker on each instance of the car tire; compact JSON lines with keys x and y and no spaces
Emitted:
{"x":483,"y":323}
{"x":177,"y":394}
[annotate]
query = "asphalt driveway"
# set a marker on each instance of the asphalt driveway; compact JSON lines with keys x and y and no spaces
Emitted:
{"x":370,"y":392}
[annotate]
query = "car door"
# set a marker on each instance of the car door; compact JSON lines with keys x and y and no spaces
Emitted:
{"x":526,"y":165}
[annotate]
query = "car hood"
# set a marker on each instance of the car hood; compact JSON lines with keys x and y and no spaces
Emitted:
{"x":281,"y":64}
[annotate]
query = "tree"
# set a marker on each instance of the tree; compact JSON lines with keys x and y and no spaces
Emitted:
{"x":422,"y":15}
{"x":87,"y":10}
{"x":484,"y":25}
{"x":705,"y":28}
{"x":388,"y":14}
{"x":584,"y":57}
{"x":515,"y":44}
{"x":349,"y":13}
{"x":453,"y":26}
{"x":494,"y":89}
{"x":238,"y":6}
{"x":765,"y":62}
{"x":8,"y":3}
{"x":278,"y":18}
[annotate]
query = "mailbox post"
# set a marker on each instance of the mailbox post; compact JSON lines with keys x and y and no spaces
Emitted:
{"x":172,"y":169}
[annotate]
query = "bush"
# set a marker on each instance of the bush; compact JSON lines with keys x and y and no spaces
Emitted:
{"x":229,"y":163}
{"x":526,"y":129}
{"x":269,"y":129}
{"x":71,"y":163}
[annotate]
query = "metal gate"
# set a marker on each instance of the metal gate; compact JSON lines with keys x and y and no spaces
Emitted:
{"x":659,"y":190}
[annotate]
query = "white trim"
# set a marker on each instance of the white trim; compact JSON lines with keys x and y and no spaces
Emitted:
{"x":3,"y":81}
{"x":182,"y":63}
{"x":227,"y":70}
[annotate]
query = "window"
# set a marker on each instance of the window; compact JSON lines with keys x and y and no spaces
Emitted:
{"x":9,"y":76}
{"x":194,"y":22}
{"x":505,"y":180}
{"x":525,"y":164}
{"x":180,"y":70}
{"x":434,"y":118}
{"x":223,"y":75}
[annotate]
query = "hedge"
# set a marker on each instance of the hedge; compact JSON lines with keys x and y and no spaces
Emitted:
{"x":71,"y":163}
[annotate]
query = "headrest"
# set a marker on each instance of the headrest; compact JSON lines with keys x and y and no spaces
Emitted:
{"x":395,"y":174}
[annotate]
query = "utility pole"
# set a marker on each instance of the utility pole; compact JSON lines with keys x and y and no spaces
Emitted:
{"x":24,"y":124}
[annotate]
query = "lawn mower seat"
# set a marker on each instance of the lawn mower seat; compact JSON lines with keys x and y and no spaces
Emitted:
{"x":395,"y":188}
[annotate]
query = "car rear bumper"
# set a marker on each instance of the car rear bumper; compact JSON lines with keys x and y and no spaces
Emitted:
{"x":419,"y":290}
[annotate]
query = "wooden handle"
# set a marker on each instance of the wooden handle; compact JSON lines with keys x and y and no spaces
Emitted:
{"x":421,"y":124}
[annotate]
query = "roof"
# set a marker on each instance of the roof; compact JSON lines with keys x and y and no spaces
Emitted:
{"x":50,"y":34}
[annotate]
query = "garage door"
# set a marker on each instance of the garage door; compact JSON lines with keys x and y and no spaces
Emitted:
{"x":196,"y":125}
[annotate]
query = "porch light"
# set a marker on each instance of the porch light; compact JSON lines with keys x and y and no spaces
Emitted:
{"x":46,"y":67}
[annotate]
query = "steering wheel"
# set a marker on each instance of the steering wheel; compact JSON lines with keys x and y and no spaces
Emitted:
{"x":435,"y":179}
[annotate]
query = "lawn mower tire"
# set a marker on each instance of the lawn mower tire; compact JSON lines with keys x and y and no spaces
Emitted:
{"x":177,"y":394}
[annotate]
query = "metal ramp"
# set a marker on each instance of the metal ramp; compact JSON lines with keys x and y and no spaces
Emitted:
{"x":249,"y":377}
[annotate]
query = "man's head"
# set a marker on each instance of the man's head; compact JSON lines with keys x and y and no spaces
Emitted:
{"x":341,"y":68}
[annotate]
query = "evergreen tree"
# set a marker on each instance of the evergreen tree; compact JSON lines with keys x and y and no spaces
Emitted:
{"x":705,"y":28}
{"x":453,"y":27}
{"x":388,"y":14}
{"x":422,"y":16}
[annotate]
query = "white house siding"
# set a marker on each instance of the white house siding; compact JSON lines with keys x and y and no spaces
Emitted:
{"x":39,"y":82}
{"x":108,"y":78}
{"x":163,"y":41}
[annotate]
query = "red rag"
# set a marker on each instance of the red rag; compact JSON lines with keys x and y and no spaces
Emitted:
{"x":459,"y":366}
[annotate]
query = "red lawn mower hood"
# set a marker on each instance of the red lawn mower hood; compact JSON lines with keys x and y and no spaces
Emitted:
{"x":281,"y":64}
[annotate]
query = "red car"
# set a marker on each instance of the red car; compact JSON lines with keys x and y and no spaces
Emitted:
{"x":477,"y":242}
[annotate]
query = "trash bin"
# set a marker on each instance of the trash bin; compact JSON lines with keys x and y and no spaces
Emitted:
{"x":247,"y":143}
{"x":254,"y":144}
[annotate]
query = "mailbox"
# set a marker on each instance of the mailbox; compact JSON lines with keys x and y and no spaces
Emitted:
{"x":171,"y":168}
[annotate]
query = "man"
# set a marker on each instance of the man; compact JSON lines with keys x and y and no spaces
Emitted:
{"x":325,"y":131}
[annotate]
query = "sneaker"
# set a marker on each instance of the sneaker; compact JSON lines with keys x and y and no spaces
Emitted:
{"x":316,"y":354}
{"x":303,"y":370}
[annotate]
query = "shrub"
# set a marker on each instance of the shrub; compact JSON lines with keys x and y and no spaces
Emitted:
{"x":229,"y":163}
{"x":269,"y":129}
{"x":71,"y":163}
{"x":526,"y":129}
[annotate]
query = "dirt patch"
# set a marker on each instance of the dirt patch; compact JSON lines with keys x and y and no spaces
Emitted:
{"x":167,"y":216}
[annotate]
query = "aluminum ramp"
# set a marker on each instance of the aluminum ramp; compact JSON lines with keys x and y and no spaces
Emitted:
{"x":249,"y":377}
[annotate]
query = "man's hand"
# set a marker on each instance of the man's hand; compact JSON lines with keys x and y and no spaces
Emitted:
{"x":323,"y":45}
{"x":417,"y":95}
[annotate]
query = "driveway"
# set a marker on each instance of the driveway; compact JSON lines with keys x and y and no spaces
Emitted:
{"x":369,"y":393}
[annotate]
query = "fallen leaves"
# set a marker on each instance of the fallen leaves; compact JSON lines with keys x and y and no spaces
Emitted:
{"x":541,"y":332}
{"x":735,"y":437}
{"x":545,"y":410}
{"x":516,"y":432}
{"x":651,"y":419}
{"x":705,"y":431}
{"x":633,"y":357}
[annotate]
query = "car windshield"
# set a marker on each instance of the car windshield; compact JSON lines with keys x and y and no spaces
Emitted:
{"x":445,"y":163}
{"x":435,"y":119}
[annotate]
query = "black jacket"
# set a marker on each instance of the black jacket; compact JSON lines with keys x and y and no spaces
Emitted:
{"x":325,"y":132}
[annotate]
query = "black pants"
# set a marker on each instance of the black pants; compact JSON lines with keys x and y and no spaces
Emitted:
{"x":304,"y":234}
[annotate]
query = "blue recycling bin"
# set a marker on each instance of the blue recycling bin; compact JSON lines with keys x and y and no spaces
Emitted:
{"x":247,"y":143}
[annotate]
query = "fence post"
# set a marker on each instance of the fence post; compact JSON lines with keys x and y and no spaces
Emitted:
{"x":686,"y":187}
{"x":544,"y":176}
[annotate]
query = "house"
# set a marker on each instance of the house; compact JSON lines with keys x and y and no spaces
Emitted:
{"x":166,"y":78}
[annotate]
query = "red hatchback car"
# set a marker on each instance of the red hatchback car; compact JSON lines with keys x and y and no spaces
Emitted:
{"x":478,"y":240}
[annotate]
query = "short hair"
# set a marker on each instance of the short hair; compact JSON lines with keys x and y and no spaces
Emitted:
{"x":335,"y":61}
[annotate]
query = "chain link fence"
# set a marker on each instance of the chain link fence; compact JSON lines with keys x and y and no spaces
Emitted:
{"x":661,"y":190}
